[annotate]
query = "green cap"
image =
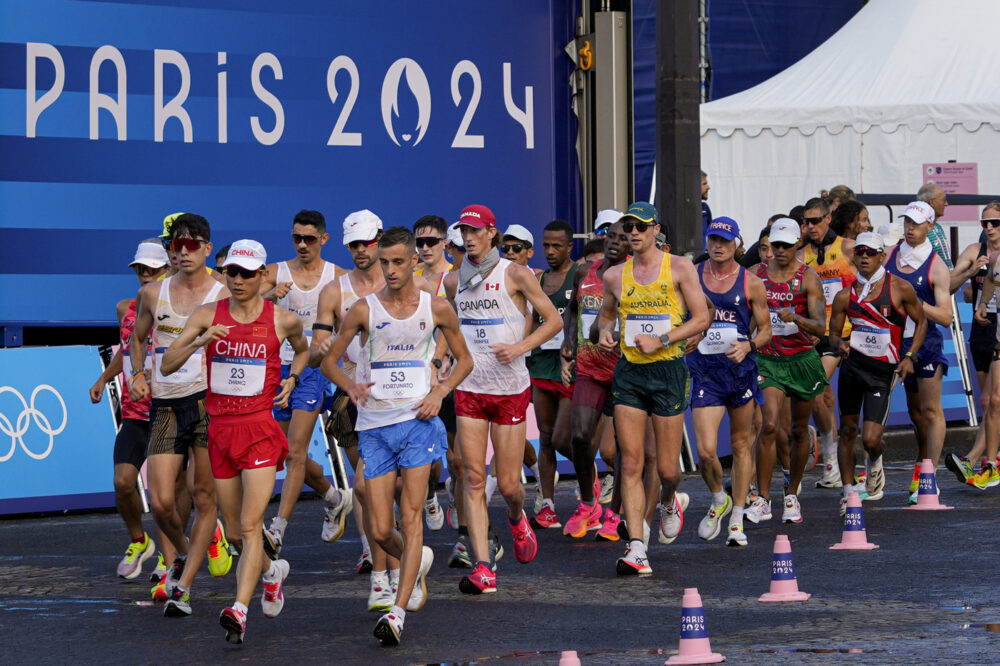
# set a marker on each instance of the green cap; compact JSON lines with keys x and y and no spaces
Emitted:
{"x":642,"y":211}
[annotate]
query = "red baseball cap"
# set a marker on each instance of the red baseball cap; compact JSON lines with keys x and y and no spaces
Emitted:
{"x":477,"y":216}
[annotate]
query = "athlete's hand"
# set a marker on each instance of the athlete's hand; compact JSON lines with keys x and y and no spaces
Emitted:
{"x":980,"y":263}
{"x":567,"y":351}
{"x":692,"y":343}
{"x":566,"y":371}
{"x":980,"y":316}
{"x":607,"y":341}
{"x":96,"y":391}
{"x":359,"y":393}
{"x":138,"y":388}
{"x":324,"y":347}
{"x":214,"y":332}
{"x":648,"y":344}
{"x":738,"y":351}
{"x":287,"y":386}
{"x":281,"y":289}
{"x":905,"y":368}
{"x":445,"y":371}
{"x":429,"y":407}
{"x":786,"y":314}
{"x":505,"y":353}
{"x":845,"y":349}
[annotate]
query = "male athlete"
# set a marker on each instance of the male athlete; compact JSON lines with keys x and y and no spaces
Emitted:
{"x":658,"y":300}
{"x":240,"y":337}
{"x":398,"y":428}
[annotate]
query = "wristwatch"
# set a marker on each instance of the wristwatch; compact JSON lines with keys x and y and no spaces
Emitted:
{"x":908,"y":355}
{"x":665,"y":339}
{"x":436,"y":362}
{"x":294,"y":376}
{"x":753,"y":346}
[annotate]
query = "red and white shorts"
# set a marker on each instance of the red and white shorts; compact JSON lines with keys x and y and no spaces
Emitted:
{"x":245,"y":441}
{"x":499,"y":409}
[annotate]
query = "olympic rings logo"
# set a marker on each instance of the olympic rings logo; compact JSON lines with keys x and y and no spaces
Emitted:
{"x":16,"y":430}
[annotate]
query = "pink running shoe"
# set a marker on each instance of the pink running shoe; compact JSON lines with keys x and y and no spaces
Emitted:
{"x":587,"y":517}
{"x":545,"y":519}
{"x":609,"y":528}
{"x":525,"y":542}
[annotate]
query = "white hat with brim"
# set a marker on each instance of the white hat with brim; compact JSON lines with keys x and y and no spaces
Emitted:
{"x":150,"y":254}
{"x":362,"y":225}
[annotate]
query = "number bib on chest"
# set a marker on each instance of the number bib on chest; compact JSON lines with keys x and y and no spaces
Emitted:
{"x":287,"y":353}
{"x":831,"y":287}
{"x":555,"y":342}
{"x":587,"y":319}
{"x":396,"y":380}
{"x":481,"y":333}
{"x":781,"y":327}
{"x":645,"y":324}
{"x":236,"y":375}
{"x":870,"y":341}
{"x":189,"y":373}
{"x":719,"y":338}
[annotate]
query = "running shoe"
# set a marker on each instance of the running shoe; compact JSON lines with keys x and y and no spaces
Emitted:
{"x":235,"y":624}
{"x":136,"y":553}
{"x":159,"y":590}
{"x":607,"y":488}
{"x":418,"y":597}
{"x":633,"y":564}
{"x":960,"y":467}
{"x":792,"y":512}
{"x":451,"y":515}
{"x":813,"y":448}
{"x":220,"y":559}
{"x":160,"y":571}
{"x":179,"y":603}
{"x":546,"y":518}
{"x":875,"y":484}
{"x":538,"y":491}
{"x":433,"y":514}
{"x":460,"y":558}
{"x":174,"y":574}
{"x":843,"y":506}
{"x":609,"y":527}
{"x":711,"y":524}
{"x":587,"y":517}
{"x":364,"y":565}
{"x":451,"y":495}
{"x":480,"y":581}
{"x":335,"y":517}
{"x":380,"y":598}
{"x":272,"y":543}
{"x":388,"y":629}
{"x":993,"y":478}
{"x":623,"y":532}
{"x":915,"y":481}
{"x":525,"y":542}
{"x":273,"y":599}
{"x":831,"y":476}
{"x":759,"y":511}
{"x":977,"y":481}
{"x":736,"y":537}
{"x":597,"y":487}
{"x":496,"y":548}
{"x":672,"y":518}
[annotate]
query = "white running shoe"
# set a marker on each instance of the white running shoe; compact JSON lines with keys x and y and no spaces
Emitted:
{"x":381,"y":598}
{"x":433,"y":514}
{"x":831,"y":476}
{"x":335,"y":517}
{"x":418,"y":597}
{"x":388,"y":629}
{"x":792,"y":512}
{"x":607,"y":488}
{"x":711,"y":524}
{"x":759,"y":511}
{"x":273,"y":599}
{"x":875,"y":483}
{"x":672,"y":518}
{"x":736,"y":536}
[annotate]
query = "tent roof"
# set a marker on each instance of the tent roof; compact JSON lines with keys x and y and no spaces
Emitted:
{"x":897,"y":62}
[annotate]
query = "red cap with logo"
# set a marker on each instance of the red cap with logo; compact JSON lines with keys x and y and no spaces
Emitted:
{"x":477,"y":216}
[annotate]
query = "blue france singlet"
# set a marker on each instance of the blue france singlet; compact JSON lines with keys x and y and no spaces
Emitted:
{"x":920,"y":280}
{"x":732,"y":323}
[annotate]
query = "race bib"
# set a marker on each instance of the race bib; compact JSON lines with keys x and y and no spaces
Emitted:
{"x":555,"y":342}
{"x":991,"y":307}
{"x":587,"y":319}
{"x":236,"y":375}
{"x":909,"y":328}
{"x":189,"y":373}
{"x":871,"y":341}
{"x":831,"y":287}
{"x":781,"y":327}
{"x":481,"y":333}
{"x":719,"y":338}
{"x":396,"y":380}
{"x":288,"y":353}
{"x":127,"y":362}
{"x":645,"y":324}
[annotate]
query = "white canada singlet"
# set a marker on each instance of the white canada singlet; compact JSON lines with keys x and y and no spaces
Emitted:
{"x":167,"y":326}
{"x":301,"y":302}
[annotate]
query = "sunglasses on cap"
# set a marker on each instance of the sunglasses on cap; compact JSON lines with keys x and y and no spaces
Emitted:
{"x":870,"y":251}
{"x":232,"y":270}
{"x":354,"y":245}
{"x":778,"y":245}
{"x":428,"y":241}
{"x":603,"y":231}
{"x":189,"y":244}
{"x":308,"y":240}
{"x":641,"y":227}
{"x":994,"y":222}
{"x":516,"y":248}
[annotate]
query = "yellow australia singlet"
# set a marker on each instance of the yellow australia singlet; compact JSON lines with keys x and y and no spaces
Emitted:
{"x":440,"y":284}
{"x":649,"y":309}
{"x":835,"y":273}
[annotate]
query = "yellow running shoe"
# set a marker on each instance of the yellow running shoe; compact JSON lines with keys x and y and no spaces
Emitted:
{"x":136,"y":553}
{"x":159,"y":591}
{"x":220,"y":559}
{"x":993,"y":479}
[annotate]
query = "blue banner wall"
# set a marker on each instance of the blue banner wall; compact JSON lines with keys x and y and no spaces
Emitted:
{"x":114,"y":114}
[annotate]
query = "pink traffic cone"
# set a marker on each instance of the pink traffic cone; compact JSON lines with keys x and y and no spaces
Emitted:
{"x":784,"y":586}
{"x":694,"y":646}
{"x":855,"y":537}
{"x":927,"y":492}
{"x":569,"y":658}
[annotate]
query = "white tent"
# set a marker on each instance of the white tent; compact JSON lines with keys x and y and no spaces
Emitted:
{"x":905,"y":82}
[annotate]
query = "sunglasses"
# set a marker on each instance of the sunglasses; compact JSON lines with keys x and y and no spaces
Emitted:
{"x":456,"y":248}
{"x":354,"y":245}
{"x":813,"y":220}
{"x":778,"y":245}
{"x":232,"y":270}
{"x":995,"y":222}
{"x":189,"y":244}
{"x":165,"y":242}
{"x":428,"y":241}
{"x":516,"y":248}
{"x":641,"y":227}
{"x":870,"y":251}
{"x":603,"y":231}
{"x":308,"y":240}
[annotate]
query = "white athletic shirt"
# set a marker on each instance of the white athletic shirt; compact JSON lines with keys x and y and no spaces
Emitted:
{"x":301,"y":302}
{"x":167,"y":327}
{"x":397,"y":359}
{"x":488,"y":315}
{"x":348,"y":297}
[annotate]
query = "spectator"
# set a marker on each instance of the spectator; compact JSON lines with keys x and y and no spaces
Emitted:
{"x":850,"y":219}
{"x":706,"y":212}
{"x":753,"y":255}
{"x":938,"y":200}
{"x":837,"y":195}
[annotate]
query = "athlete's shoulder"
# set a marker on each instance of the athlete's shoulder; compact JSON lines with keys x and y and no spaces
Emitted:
{"x":121,"y":308}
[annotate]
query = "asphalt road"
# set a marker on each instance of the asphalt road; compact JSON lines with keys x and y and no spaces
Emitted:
{"x":926,"y":595}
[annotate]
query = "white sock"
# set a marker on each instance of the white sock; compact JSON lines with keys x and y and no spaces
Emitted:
{"x":379,"y":577}
{"x":548,"y":503}
{"x":241,"y":607}
{"x":536,"y":472}
{"x":828,"y":445}
{"x":331,"y":496}
{"x":736,"y":517}
{"x":364,"y":544}
{"x":398,"y":612}
{"x":272,"y":573}
{"x":394,"y":577}
{"x":719,"y":498}
{"x":637,"y":547}
{"x":279,"y":525}
{"x":491,"y":487}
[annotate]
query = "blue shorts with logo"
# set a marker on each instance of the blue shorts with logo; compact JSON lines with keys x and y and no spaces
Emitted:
{"x":929,"y":359}
{"x":404,"y":445}
{"x":307,"y":396}
{"x":717,"y":381}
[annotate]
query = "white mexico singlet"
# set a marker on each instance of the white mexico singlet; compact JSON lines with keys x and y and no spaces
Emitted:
{"x":301,"y":302}
{"x":167,"y":326}
{"x":488,"y":315}
{"x":397,"y":359}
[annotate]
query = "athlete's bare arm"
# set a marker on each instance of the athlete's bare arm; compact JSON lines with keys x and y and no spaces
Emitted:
{"x":327,"y":316}
{"x":198,"y":332}
{"x":941,"y":283}
{"x":521,"y":280}
{"x":989,"y":286}
{"x":838,"y":315}
{"x":446,"y":321}
{"x":571,"y":317}
{"x":815,"y":323}
{"x":761,"y":320}
{"x":355,"y":322}
{"x":968,"y":264}
{"x":606,"y":318}
{"x":269,"y":286}
{"x":115,"y":366}
{"x":906,"y":299}
{"x":288,"y":326}
{"x":145,"y":305}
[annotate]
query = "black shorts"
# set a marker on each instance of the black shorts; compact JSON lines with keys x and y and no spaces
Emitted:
{"x":177,"y":424}
{"x":982,"y":339}
{"x":343,"y":419}
{"x":660,"y":388}
{"x":823,"y":348}
{"x":447,"y":414}
{"x":130,"y":444}
{"x":865,"y":385}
